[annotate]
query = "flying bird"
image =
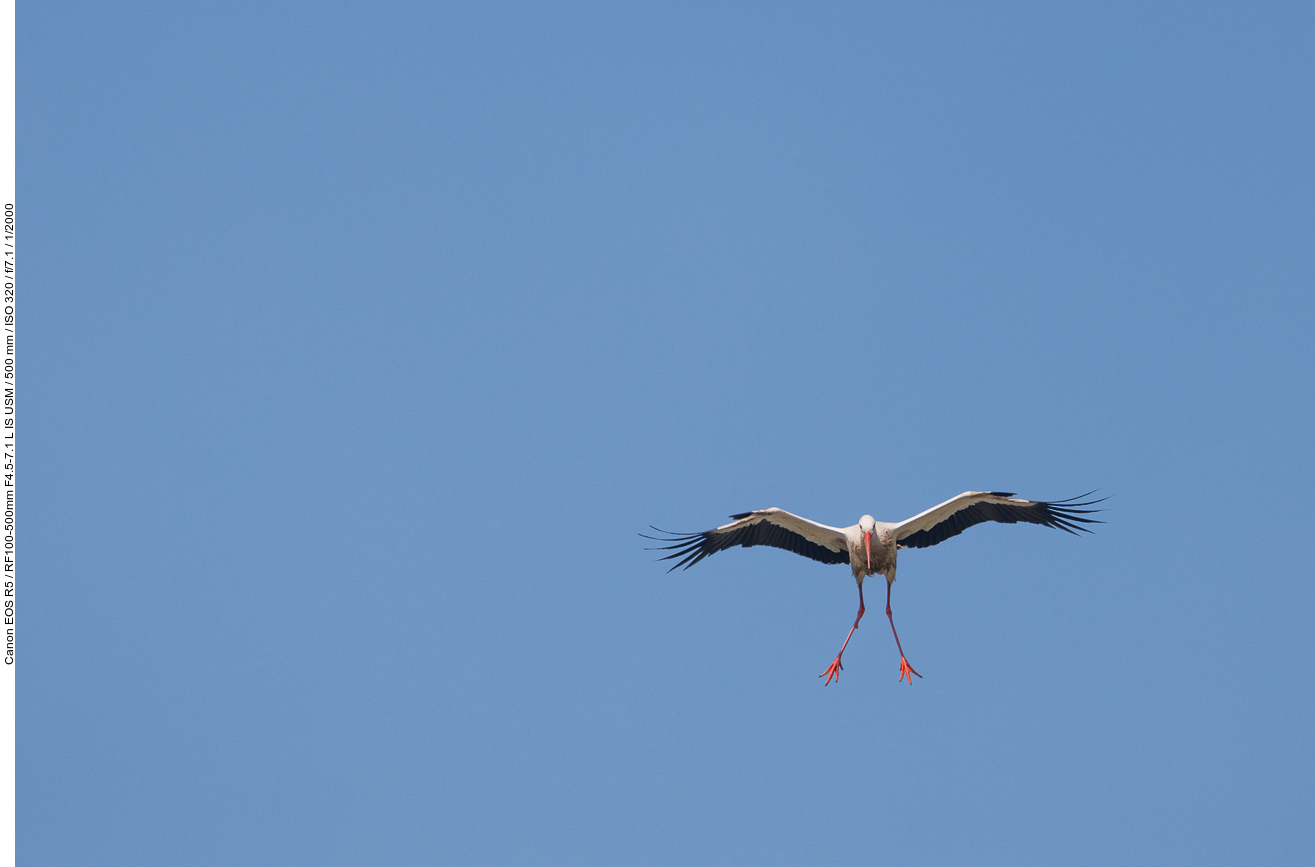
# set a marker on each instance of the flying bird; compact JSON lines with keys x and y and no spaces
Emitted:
{"x":870,"y":546}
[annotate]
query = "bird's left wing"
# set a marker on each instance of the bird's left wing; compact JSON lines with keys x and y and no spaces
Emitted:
{"x":975,"y":507}
{"x":774,"y":527}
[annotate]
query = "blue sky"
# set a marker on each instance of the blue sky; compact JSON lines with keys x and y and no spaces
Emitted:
{"x":359,"y":344}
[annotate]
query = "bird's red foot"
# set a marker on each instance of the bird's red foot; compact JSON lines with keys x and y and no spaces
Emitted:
{"x":833,"y":671}
{"x":906,"y":670}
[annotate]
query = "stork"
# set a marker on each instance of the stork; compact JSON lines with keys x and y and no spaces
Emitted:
{"x":870,"y":546}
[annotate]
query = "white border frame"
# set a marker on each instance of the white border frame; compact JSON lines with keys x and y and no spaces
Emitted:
{"x":7,"y":253}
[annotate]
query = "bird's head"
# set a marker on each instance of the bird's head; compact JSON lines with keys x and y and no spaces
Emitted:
{"x":867,"y":525}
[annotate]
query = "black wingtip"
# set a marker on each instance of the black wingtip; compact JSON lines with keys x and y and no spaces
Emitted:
{"x":688,"y":546}
{"x":1065,"y":514}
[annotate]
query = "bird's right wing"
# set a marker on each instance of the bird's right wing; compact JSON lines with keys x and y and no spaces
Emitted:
{"x":774,"y":527}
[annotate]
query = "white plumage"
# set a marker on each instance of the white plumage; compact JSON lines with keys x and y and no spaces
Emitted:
{"x":871,"y":547}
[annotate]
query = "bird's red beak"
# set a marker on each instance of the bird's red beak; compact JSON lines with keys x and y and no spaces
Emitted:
{"x":867,"y":540}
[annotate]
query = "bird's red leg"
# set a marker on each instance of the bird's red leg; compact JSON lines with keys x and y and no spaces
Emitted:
{"x":834,"y":670}
{"x":905,"y":670}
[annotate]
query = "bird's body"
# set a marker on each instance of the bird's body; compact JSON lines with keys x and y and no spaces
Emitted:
{"x":881,"y":546}
{"x":871,"y":547}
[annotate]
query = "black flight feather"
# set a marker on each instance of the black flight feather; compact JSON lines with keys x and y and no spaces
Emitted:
{"x":1061,"y":514}
{"x":690,"y":548}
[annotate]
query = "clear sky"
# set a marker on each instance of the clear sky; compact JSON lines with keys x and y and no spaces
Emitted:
{"x":359,"y":342}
